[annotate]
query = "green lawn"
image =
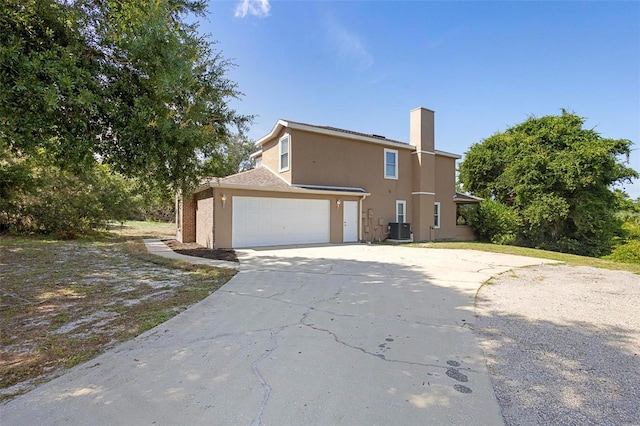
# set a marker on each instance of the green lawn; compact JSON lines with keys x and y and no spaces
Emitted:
{"x":569,"y":259}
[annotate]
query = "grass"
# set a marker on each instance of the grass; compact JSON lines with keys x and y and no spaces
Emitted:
{"x":64,"y":302}
{"x":569,"y":259}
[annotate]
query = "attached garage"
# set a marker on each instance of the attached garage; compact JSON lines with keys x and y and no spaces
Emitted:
{"x":266,"y":221}
{"x":258,"y":209}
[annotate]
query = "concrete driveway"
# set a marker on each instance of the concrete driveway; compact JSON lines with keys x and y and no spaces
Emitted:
{"x":349,"y":334}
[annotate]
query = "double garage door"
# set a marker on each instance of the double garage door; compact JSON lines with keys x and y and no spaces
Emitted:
{"x":263,"y":221}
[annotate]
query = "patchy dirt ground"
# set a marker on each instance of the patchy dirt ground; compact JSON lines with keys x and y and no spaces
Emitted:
{"x":563,"y":345}
{"x":193,"y":249}
{"x":62,"y":303}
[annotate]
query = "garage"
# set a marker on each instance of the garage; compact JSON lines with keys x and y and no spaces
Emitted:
{"x":266,"y":221}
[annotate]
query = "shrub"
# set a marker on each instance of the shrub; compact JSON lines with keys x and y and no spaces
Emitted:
{"x":45,"y":199}
{"x":627,"y":252}
{"x":494,"y":222}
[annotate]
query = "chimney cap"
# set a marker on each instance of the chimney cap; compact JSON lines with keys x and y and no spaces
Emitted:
{"x":426,"y":109}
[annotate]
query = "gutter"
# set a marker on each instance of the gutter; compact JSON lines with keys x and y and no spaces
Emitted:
{"x":291,"y":189}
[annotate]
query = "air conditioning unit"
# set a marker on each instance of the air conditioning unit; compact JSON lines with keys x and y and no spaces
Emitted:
{"x":399,"y":231}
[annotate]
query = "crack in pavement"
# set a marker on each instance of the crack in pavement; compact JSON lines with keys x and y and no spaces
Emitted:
{"x":343,"y":315}
{"x":257,"y":421}
{"x":379,"y":356}
{"x":337,"y":274}
{"x":330,"y":268}
{"x":300,"y":305}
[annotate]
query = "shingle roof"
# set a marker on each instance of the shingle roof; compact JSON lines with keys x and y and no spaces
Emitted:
{"x":465,"y":198}
{"x":350,"y":132}
{"x":255,"y":177}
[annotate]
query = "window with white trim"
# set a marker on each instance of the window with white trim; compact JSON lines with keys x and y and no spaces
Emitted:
{"x":436,"y":214}
{"x":284,"y":153}
{"x":390,"y":164}
{"x":401,"y":211}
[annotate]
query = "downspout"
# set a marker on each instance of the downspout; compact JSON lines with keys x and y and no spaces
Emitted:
{"x":360,"y":219}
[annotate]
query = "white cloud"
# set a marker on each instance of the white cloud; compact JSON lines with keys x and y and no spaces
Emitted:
{"x":349,"y":45}
{"x":258,"y":8}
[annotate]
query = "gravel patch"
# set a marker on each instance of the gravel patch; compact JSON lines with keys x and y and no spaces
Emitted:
{"x":563,"y":345}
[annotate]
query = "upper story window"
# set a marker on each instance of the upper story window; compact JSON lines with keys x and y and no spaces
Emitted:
{"x":390,"y":164}
{"x":284,"y":153}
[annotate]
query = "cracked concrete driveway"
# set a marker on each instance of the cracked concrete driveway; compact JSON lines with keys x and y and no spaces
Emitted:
{"x":349,"y":334}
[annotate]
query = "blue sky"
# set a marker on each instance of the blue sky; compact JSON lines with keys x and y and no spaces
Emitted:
{"x":482,"y":66}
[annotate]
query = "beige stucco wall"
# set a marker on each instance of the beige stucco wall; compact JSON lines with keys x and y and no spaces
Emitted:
{"x":224,"y":214}
{"x":271,"y":155}
{"x":445,"y":191}
{"x":204,"y":218}
{"x":317,"y":159}
{"x":333,"y":161}
{"x":463,"y":233}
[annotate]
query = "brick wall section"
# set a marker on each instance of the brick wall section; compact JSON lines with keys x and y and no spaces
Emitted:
{"x":187,"y":230}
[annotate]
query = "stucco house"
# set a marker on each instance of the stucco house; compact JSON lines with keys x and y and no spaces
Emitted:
{"x":319,"y":184}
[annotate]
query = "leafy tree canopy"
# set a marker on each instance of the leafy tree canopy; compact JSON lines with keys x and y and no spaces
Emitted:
{"x":556,"y":178}
{"x":233,"y":157}
{"x":128,"y":83}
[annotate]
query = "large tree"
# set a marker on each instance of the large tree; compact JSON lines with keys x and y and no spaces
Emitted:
{"x":549,"y":182}
{"x":131,"y":84}
{"x":233,"y":157}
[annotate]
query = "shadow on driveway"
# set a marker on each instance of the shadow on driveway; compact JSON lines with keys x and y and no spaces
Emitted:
{"x":323,"y":335}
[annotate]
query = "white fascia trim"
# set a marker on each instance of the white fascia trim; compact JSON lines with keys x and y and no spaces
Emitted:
{"x":256,"y":155}
{"x":279,"y":125}
{"x":291,"y":189}
{"x":297,"y":126}
{"x":423,"y":193}
{"x":424,"y":152}
{"x":352,"y":188}
{"x":448,"y":154}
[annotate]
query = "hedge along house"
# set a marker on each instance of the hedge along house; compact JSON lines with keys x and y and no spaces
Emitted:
{"x":320,"y":184}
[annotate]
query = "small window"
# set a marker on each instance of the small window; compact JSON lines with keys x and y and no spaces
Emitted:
{"x":401,"y":211}
{"x":436,"y":214}
{"x":284,"y":153}
{"x":390,"y":164}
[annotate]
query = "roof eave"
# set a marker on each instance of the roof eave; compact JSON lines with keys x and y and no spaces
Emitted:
{"x":470,"y":199}
{"x":291,"y":189}
{"x":447,"y":154}
{"x":279,"y":125}
{"x":313,"y":129}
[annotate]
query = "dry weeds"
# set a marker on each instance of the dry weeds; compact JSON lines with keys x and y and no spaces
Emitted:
{"x":64,"y":302}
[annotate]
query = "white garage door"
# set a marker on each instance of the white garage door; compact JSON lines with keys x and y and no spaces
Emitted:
{"x":262,"y":221}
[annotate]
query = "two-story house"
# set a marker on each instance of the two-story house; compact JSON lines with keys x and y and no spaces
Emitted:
{"x":319,"y":184}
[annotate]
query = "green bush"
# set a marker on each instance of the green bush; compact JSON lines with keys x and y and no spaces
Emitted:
{"x":495,"y":222}
{"x":46,"y":199}
{"x":627,"y":252}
